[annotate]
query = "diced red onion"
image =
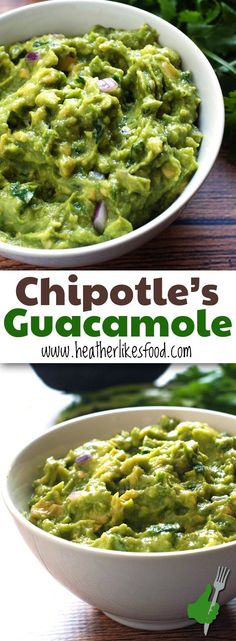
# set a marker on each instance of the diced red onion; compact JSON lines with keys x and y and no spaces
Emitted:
{"x":32,"y":55}
{"x":100,"y":218}
{"x":74,"y":494}
{"x":126,"y":131}
{"x":107,"y":84}
{"x":96,"y":174}
{"x":82,"y":458}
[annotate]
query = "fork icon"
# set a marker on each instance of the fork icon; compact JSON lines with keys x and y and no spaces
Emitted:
{"x":219,"y":584}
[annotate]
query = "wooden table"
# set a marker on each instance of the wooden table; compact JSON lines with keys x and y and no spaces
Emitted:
{"x":203,"y":237}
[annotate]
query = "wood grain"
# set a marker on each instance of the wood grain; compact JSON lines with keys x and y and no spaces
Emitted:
{"x":87,"y":624}
{"x":203,"y":237}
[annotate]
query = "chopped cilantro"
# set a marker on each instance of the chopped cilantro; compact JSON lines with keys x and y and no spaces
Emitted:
{"x":211,"y":24}
{"x":23,"y":192}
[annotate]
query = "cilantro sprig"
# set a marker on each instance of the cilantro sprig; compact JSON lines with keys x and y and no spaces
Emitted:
{"x":212,"y":26}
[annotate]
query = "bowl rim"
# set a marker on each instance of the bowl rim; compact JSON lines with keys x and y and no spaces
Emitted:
{"x":47,"y":536}
{"x":168,"y":214}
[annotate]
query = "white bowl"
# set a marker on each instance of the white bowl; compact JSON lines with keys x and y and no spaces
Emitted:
{"x":77,"y":16}
{"x":143,"y":590}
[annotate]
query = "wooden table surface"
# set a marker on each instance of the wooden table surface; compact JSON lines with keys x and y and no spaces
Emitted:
{"x":203,"y":237}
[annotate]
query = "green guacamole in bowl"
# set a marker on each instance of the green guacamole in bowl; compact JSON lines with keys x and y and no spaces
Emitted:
{"x":163,"y":488}
{"x":98,"y":134}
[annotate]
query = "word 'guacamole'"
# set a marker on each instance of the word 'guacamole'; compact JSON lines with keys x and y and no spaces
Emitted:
{"x":97,"y":135}
{"x":165,"y":487}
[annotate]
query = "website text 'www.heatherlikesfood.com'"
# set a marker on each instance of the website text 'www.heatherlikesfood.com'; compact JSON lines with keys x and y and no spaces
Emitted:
{"x":79,"y":317}
{"x":121,"y":351}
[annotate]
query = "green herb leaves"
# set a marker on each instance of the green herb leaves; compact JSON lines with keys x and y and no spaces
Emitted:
{"x":23,"y":192}
{"x":212,"y":26}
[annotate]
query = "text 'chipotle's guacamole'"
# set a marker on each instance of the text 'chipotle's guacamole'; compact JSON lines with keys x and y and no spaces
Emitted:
{"x":169,"y":486}
{"x":97,"y":135}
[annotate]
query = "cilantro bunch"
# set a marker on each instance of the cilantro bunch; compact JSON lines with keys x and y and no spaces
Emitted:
{"x":209,"y":389}
{"x":212,"y":26}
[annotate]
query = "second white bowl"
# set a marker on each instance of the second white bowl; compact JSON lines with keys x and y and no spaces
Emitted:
{"x":73,"y":17}
{"x":142,"y":590}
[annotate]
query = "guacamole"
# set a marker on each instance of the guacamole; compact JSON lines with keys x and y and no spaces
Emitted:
{"x":162,"y":488}
{"x":97,"y":135}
